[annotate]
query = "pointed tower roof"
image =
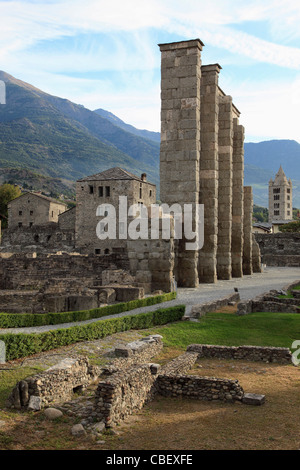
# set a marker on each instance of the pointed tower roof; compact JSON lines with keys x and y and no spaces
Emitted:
{"x":280,"y":177}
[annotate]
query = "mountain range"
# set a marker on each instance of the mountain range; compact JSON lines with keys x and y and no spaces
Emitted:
{"x":45,"y":138}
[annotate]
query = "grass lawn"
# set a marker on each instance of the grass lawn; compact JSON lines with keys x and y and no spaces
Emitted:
{"x":256,"y":329}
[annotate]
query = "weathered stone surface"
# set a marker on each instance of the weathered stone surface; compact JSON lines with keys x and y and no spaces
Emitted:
{"x":200,"y":310}
{"x":78,"y":430}
{"x":245,"y":353}
{"x":253,"y":399}
{"x":279,"y":249}
{"x":52,"y":413}
{"x":54,"y":385}
{"x":35,"y":403}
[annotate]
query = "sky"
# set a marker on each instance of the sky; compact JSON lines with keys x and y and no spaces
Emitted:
{"x":105,"y":54}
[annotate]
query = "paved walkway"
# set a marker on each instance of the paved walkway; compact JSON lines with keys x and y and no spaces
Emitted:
{"x":248,"y":286}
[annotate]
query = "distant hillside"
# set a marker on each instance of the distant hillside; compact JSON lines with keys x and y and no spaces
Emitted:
{"x":57,"y":138}
{"x":155,"y":136}
{"x":29,"y":180}
{"x":51,"y":137}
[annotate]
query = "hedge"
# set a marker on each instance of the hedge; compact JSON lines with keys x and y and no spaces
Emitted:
{"x":23,"y":344}
{"x":14,"y":320}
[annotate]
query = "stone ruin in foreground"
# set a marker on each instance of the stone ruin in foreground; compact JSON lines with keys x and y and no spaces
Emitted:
{"x":131,"y":380}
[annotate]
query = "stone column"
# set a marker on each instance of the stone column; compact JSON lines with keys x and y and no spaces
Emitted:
{"x":247,"y":249}
{"x":225,"y":187}
{"x":237,"y":199}
{"x":209,"y":166}
{"x":256,"y":257}
{"x":180,"y":138}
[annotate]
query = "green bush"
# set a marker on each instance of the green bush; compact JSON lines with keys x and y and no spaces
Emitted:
{"x":22,"y":344}
{"x":14,"y":320}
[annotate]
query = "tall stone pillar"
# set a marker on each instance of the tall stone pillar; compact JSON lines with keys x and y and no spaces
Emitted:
{"x":180,"y":138}
{"x":225,"y":187}
{"x":237,"y":199}
{"x":256,"y":257}
{"x":209,"y":166}
{"x":247,"y":249}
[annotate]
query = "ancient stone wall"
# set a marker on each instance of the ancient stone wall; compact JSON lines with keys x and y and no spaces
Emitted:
{"x":21,"y":271}
{"x":56,"y":384}
{"x":125,"y":393}
{"x":280,"y":249}
{"x":66,"y":220}
{"x":152,"y":260}
{"x":245,"y":353}
{"x":201,"y":388}
{"x":44,"y":238}
{"x":200,"y":310}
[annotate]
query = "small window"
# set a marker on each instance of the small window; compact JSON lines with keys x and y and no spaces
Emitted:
{"x":100,"y":191}
{"x":20,"y":212}
{"x":288,"y":190}
{"x":52,"y":214}
{"x":97,"y":251}
{"x":106,"y":251}
{"x":288,"y":198}
{"x":276,"y":212}
{"x":107,"y":191}
{"x":288,"y":213}
{"x":150,"y":193}
{"x":20,"y":224}
{"x":91,"y":189}
{"x":31,"y":212}
{"x":30,"y":224}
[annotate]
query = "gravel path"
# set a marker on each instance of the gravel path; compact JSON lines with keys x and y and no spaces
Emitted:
{"x":248,"y":286}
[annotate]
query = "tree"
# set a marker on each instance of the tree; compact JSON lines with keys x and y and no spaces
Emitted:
{"x":8,"y":192}
{"x":293,"y":226}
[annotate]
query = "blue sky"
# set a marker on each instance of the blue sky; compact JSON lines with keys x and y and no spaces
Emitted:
{"x":104,"y":54}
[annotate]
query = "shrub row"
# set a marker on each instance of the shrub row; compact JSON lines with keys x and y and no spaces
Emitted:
{"x":14,"y":320}
{"x":23,"y":344}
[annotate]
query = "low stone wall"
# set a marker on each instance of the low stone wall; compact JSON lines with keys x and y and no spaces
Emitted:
{"x":246,"y":353}
{"x":142,"y":350}
{"x":270,"y":302}
{"x":201,"y":309}
{"x":125,"y":393}
{"x":171,"y":381}
{"x":201,"y":388}
{"x":54,"y":385}
{"x":181,"y":364}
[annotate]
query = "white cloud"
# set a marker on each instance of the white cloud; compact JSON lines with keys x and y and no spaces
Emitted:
{"x":129,"y":52}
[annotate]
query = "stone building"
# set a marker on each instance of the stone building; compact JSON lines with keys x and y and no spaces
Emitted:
{"x":32,"y":209}
{"x":106,"y":188}
{"x":280,"y":198}
{"x":202,"y":161}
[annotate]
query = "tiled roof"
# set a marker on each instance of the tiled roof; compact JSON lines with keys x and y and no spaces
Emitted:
{"x":41,"y":196}
{"x":112,"y":174}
